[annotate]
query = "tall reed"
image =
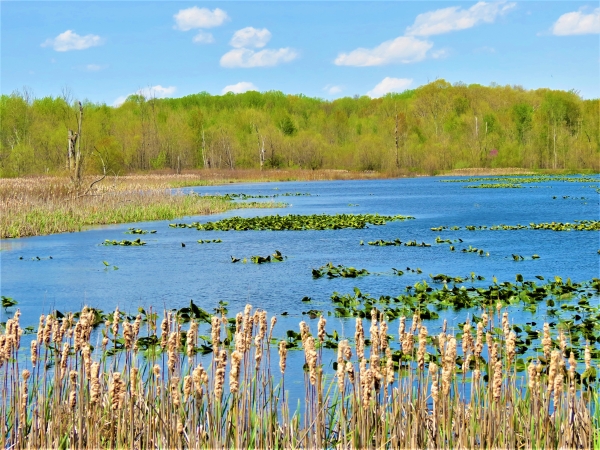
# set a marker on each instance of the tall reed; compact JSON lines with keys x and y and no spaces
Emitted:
{"x":84,"y":383}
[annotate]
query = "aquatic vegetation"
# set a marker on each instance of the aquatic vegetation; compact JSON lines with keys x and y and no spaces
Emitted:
{"x":510,"y":180}
{"x":242,"y":196}
{"x":275,"y":257}
{"x":522,"y":258}
{"x":139,"y":231}
{"x":397,"y":242}
{"x":577,"y":225}
{"x":338,"y":271}
{"x":124,"y":242}
{"x":495,"y":186}
{"x":472,"y":249}
{"x":8,"y":302}
{"x":294,"y":222}
{"x":209,"y":241}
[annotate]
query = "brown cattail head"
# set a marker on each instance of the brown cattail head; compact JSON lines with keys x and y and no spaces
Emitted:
{"x":234,"y":373}
{"x":282,"y":356}
{"x":360,"y":339}
{"x":117,"y":391}
{"x":547,"y":341}
{"x":311,"y":359}
{"x":95,"y":383}
{"x":422,"y":347}
{"x":321,"y":329}
{"x":34,"y":353}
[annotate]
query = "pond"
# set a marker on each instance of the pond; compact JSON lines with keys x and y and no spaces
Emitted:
{"x":67,"y":271}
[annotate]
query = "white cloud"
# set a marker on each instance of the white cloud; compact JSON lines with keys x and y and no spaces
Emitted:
{"x":157,"y":91}
{"x":455,"y":18}
{"x":333,"y":89}
{"x":194,"y":17}
{"x":94,"y":67}
{"x":440,"y":54}
{"x":240,"y":87}
{"x":70,"y":40}
{"x":203,"y":37}
{"x":403,"y":49}
{"x":250,"y":37}
{"x":577,"y":22}
{"x":243,"y":57}
{"x":388,"y":85}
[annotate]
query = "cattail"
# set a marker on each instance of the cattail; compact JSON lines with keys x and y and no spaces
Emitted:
{"x":262,"y":324}
{"x":479,"y":340}
{"x":200,"y":377}
{"x":572,"y":366}
{"x":136,"y":325}
{"x":433,"y":371}
{"x":321,"y":329}
{"x":282,"y":356}
{"x":95,"y":383}
{"x":156,"y":371}
{"x":497,"y":380}
{"x":73,"y":392}
{"x":191,"y":339}
{"x":87,"y":359}
{"x":553,"y":369}
{"x":40,"y":331}
{"x":179,"y":427}
{"x":415,"y":323}
{"x":467,"y":339}
{"x":558,"y":387}
{"x":63,"y":358}
{"x":304,"y":331}
{"x":340,"y":365}
{"x":104,"y":342}
{"x":505,"y":325}
{"x":476,"y":375}
{"x":172,"y":351}
{"x":445,"y":326}
{"x":311,"y":359}
{"x":164,"y":329}
{"x":498,"y":307}
{"x":220,"y":374}
{"x":175,"y":394}
{"x":442,"y":343}
{"x":484,"y":320}
{"x":234,"y":373}
{"x":367,"y":381}
{"x":383,"y":338}
{"x":401,"y":327}
{"x":215,"y":332}
{"x":115,"y":323}
{"x":510,"y":347}
{"x":389,"y":366}
{"x":360,"y":339}
{"x":350,"y":371}
{"x":491,"y":346}
{"x":248,"y":326}
{"x":133,"y":377}
{"x":587,"y":357}
{"x":422,"y":347}
{"x":531,"y":375}
{"x":562,"y":341}
{"x":408,"y":344}
{"x":34,"y":353}
{"x":187,"y":386}
{"x":48,"y":330}
{"x":273,"y":322}
{"x":128,"y":335}
{"x":117,"y":391}
{"x":547,"y":341}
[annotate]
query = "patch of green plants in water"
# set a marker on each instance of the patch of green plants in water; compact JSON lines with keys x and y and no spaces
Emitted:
{"x":397,"y":242}
{"x":527,"y":179}
{"x":125,"y":242}
{"x":577,"y":225}
{"x":242,"y":196}
{"x":293,"y":222}
{"x":471,"y":249}
{"x":209,"y":241}
{"x":275,"y":257}
{"x":339,"y":271}
{"x":139,"y":231}
{"x":517,"y":257}
{"x":494,"y":186}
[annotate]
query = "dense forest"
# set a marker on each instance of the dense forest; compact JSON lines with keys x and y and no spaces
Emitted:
{"x":435,"y":127}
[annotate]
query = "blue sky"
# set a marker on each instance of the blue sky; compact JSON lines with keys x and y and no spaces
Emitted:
{"x":104,"y":51}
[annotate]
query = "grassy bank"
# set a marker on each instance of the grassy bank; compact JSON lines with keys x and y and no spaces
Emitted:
{"x":46,"y":205}
{"x":141,"y":387}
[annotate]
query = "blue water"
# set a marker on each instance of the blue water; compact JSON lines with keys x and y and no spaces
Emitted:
{"x":163,"y":274}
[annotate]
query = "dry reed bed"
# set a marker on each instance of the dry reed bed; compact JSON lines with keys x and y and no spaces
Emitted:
{"x":46,"y":205}
{"x":61,"y":392}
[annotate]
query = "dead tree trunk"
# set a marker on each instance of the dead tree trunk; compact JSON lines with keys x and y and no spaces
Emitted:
{"x":74,"y":155}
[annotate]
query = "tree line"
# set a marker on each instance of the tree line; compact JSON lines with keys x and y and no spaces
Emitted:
{"x":435,"y":127}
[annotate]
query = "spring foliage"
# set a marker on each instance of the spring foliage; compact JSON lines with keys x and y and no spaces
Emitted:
{"x":438,"y":126}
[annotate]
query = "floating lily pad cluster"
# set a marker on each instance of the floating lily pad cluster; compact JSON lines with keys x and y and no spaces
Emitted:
{"x":522,"y":258}
{"x":242,"y":196}
{"x":527,"y":179}
{"x":294,"y":222}
{"x":209,"y":241}
{"x":471,"y":249}
{"x":275,"y":257}
{"x":339,"y":271}
{"x":397,"y":242}
{"x":124,"y":242}
{"x":578,"y":225}
{"x":139,"y":231}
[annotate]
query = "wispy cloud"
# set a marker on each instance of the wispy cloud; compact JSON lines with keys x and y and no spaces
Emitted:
{"x":240,"y":87}
{"x":246,"y":58}
{"x":403,"y":49}
{"x":332,"y":89}
{"x":456,"y":18}
{"x":157,"y":91}
{"x":577,"y":22}
{"x":250,"y":37}
{"x":95,"y":67}
{"x":194,"y":17}
{"x":389,"y":84}
{"x":69,"y":40}
{"x":203,"y":37}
